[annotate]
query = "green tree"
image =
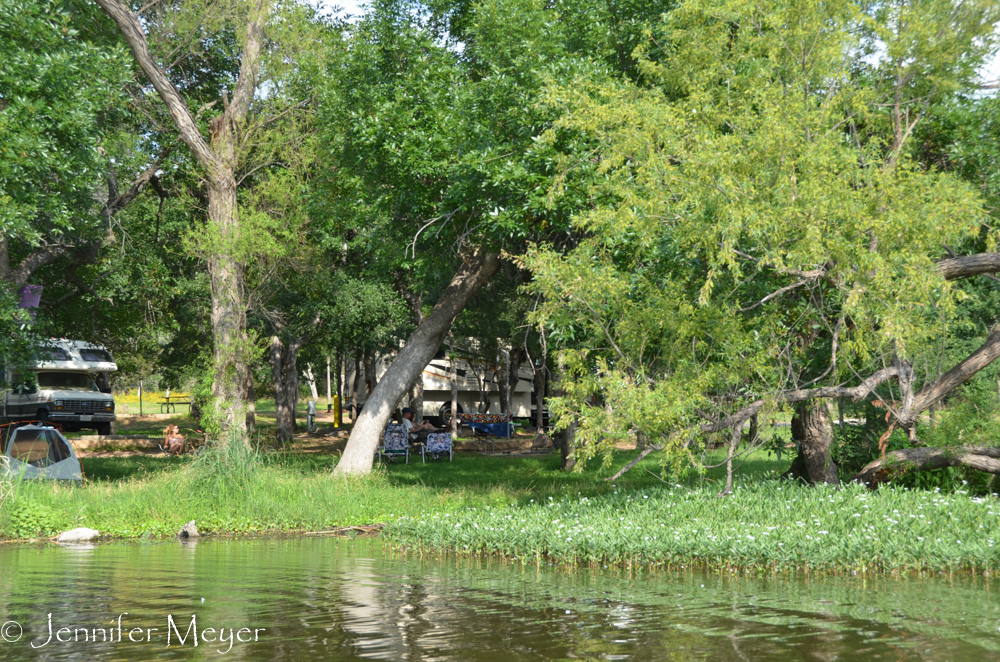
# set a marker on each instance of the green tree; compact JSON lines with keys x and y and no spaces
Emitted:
{"x":432,"y":125}
{"x":772,"y":238}
{"x":247,"y":137}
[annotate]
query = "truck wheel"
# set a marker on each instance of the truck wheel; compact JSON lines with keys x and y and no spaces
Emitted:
{"x":104,"y":429}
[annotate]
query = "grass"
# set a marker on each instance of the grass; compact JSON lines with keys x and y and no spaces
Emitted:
{"x":526,"y":509}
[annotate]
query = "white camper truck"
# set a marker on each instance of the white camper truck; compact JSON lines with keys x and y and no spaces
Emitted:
{"x":59,"y":385}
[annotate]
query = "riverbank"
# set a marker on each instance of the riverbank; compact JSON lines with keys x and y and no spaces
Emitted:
{"x":526,"y":510}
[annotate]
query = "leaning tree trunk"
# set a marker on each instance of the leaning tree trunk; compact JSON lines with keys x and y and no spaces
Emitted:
{"x":812,"y":428}
{"x":285,"y":380}
{"x":420,"y":348}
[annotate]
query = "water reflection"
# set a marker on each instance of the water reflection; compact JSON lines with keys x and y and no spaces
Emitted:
{"x":335,"y":600}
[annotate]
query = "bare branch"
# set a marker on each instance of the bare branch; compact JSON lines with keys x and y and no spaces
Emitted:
{"x":983,"y":458}
{"x":132,"y":30}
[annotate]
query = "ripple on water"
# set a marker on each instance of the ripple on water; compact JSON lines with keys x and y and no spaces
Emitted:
{"x":339,"y":600}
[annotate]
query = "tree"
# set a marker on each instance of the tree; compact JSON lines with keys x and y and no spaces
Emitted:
{"x":769,"y":238}
{"x":432,"y":152}
{"x":238,"y":148}
{"x":218,"y":156}
{"x":56,"y":85}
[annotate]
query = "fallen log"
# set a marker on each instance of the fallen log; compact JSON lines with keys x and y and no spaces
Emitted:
{"x":895,"y":463}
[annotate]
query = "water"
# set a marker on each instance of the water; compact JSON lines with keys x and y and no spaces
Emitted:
{"x":338,"y":600}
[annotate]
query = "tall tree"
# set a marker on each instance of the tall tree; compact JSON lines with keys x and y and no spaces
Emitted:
{"x":768,"y":237}
{"x":251,"y":154}
{"x":218,"y":155}
{"x":433,"y":157}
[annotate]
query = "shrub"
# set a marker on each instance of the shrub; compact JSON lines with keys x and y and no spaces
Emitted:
{"x":30,"y":519}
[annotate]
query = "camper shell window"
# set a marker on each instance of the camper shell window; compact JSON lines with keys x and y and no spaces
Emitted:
{"x":95,"y":356}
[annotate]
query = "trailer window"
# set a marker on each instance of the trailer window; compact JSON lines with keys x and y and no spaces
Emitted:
{"x":66,"y":380}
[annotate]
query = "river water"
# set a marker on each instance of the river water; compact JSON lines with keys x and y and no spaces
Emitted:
{"x":309,"y":598}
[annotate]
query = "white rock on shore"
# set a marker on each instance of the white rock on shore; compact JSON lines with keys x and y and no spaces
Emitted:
{"x":82,"y":534}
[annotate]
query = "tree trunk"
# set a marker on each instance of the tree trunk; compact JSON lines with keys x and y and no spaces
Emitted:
{"x":734,"y":440}
{"x":228,"y":313}
{"x":540,"y":385}
{"x":355,"y":383}
{"x":371,"y":381}
{"x":251,"y":400}
{"x":567,"y":447}
{"x":484,"y":391}
{"x":341,"y":376}
{"x":812,"y":428}
{"x":311,"y":380}
{"x":414,"y":301}
{"x":417,"y":398}
{"x":285,"y":381}
{"x":453,"y":381}
{"x":411,"y":361}
{"x":927,"y":459}
{"x":506,"y":378}
{"x":754,"y":432}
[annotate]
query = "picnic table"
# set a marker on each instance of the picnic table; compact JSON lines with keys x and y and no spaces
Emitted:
{"x":168,"y":401}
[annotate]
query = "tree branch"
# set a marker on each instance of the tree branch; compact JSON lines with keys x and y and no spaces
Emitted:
{"x":134,"y":35}
{"x":983,"y":458}
{"x":949,"y":381}
{"x":800,"y":395}
{"x":963,"y":266}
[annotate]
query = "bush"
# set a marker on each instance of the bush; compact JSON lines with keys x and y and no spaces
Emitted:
{"x":854,"y":446}
{"x":30,"y":519}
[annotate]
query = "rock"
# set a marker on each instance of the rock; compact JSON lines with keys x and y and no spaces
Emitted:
{"x":82,"y":534}
{"x":189,"y":530}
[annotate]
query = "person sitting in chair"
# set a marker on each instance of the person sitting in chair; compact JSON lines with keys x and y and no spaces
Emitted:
{"x":173,"y":441}
{"x":414,"y":430}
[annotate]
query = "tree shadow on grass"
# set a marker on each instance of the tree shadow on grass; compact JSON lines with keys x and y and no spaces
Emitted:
{"x":134,"y":466}
{"x":541,"y":474}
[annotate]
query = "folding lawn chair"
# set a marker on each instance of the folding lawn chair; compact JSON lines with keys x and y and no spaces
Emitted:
{"x":438,"y":444}
{"x":395,"y":443}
